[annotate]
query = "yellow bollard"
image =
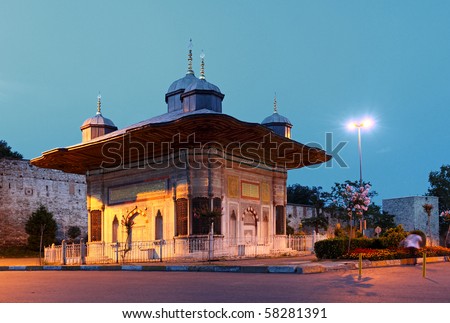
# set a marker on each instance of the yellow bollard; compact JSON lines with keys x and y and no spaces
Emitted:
{"x":424,"y":265}
{"x":360,"y":266}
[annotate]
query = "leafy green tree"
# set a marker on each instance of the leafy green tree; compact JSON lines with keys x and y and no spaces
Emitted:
{"x":305,"y":195}
{"x":440,"y":186}
{"x":376,"y":218}
{"x":41,"y":228}
{"x":6,"y":151}
{"x":73,"y":232}
{"x":394,"y":236}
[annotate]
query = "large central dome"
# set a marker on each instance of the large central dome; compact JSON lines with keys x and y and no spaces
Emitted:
{"x":190,"y":93}
{"x":181,"y":84}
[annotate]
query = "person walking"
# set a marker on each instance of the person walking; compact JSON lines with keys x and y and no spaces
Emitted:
{"x":412,"y":243}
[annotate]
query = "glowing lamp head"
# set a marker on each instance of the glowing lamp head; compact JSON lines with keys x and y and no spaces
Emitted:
{"x":366,"y":123}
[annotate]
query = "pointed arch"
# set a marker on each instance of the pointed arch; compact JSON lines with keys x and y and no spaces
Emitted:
{"x":233,"y":227}
{"x":250,"y":216}
{"x":158,"y":226}
{"x":115,"y":229}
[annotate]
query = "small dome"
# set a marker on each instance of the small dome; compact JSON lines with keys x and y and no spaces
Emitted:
{"x":276,"y":118}
{"x":202,"y":84}
{"x":182,"y":83}
{"x":98,"y":120}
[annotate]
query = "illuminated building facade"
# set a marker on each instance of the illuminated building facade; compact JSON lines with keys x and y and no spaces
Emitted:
{"x":187,"y":172}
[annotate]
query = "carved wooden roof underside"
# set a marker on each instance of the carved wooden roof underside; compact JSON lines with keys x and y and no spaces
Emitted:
{"x":220,"y":130}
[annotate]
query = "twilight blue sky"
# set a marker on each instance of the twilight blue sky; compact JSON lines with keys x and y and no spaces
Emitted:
{"x":328,"y":62}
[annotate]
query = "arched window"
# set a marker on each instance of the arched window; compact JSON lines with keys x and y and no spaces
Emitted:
{"x":181,"y":217}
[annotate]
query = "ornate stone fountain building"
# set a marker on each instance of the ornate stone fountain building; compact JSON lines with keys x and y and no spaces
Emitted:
{"x":170,"y":176}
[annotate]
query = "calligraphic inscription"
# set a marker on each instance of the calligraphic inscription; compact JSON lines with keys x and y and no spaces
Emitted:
{"x":250,"y":190}
{"x":233,"y":186}
{"x":265,"y":192}
{"x":138,"y":191}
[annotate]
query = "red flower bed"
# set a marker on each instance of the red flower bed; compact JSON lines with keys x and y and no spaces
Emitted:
{"x":400,"y":253}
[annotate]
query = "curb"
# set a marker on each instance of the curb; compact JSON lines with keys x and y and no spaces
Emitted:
{"x":312,"y":268}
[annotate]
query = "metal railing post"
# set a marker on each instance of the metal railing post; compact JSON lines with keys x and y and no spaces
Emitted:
{"x":117,"y":252}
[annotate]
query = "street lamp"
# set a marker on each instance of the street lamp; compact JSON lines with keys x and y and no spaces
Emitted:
{"x":366,"y":123}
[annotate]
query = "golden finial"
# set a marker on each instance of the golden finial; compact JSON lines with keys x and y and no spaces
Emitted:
{"x":99,"y":103}
{"x":190,"y":71}
{"x":202,"y":66}
{"x":275,"y":108}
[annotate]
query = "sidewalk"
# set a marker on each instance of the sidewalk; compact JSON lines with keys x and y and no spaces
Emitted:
{"x":301,"y":264}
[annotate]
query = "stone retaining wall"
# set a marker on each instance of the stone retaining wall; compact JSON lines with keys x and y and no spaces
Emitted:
{"x":24,"y":187}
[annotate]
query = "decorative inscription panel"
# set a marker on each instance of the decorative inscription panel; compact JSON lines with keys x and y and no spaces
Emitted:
{"x":138,"y":191}
{"x":250,"y":190}
{"x":233,"y":186}
{"x":265,"y":192}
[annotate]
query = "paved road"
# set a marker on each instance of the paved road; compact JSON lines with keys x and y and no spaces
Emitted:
{"x":401,"y":284}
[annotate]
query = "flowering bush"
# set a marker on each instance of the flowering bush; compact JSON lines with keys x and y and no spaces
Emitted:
{"x":371,"y":249}
{"x":357,"y":200}
{"x":399,"y":253}
{"x":446,"y":217}
{"x":436,"y":251}
{"x":376,"y":254}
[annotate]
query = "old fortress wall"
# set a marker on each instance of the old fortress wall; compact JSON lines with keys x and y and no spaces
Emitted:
{"x":24,"y":187}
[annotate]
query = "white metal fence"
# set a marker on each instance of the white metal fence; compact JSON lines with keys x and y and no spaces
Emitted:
{"x":200,"y":248}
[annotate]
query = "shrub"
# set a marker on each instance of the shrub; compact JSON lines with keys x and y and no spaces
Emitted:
{"x":436,"y":251}
{"x":376,"y":254}
{"x":337,"y":247}
{"x":331,"y":248}
{"x":400,"y":253}
{"x":340,"y":233}
{"x":361,"y":243}
{"x":73,"y":232}
{"x":393,"y":236}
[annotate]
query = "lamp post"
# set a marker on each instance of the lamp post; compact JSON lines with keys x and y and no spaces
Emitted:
{"x":358,"y":125}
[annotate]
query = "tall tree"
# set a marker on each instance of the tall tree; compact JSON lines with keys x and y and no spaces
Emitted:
{"x":41,"y":228}
{"x":6,"y":151}
{"x":440,"y":187}
{"x":376,"y":218}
